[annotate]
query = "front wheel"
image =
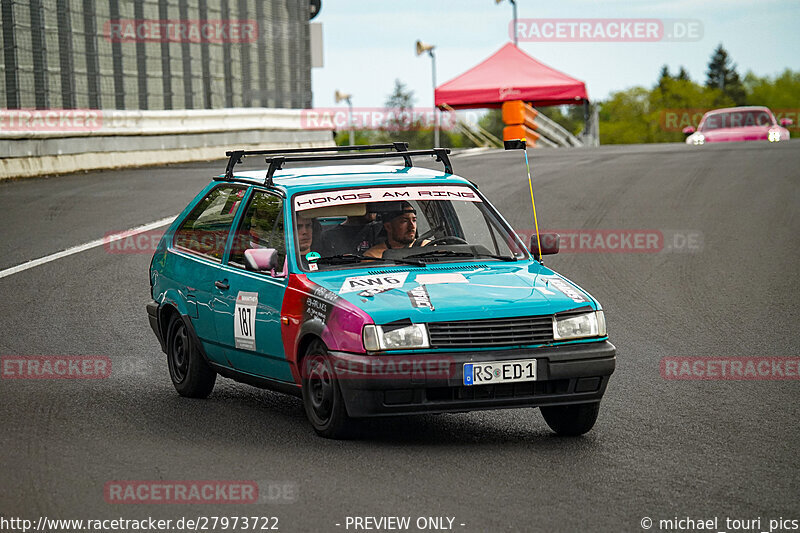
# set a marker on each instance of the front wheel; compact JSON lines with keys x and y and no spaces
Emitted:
{"x":571,"y":420}
{"x":322,"y":397}
{"x":190,"y":374}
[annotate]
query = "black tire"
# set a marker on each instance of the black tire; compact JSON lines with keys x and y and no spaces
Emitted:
{"x":190,"y":374}
{"x":322,"y":397}
{"x":571,"y":420}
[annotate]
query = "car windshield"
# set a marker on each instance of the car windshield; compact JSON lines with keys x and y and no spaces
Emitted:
{"x":399,"y":224}
{"x":736,"y":119}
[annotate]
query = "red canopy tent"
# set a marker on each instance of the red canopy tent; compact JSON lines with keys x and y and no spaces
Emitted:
{"x":510,"y":74}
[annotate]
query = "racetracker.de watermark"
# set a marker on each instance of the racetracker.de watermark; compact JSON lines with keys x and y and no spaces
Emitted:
{"x":379,"y":367}
{"x":51,"y":120}
{"x":730,"y":368}
{"x":181,"y":31}
{"x":607,"y":30}
{"x":619,"y":241}
{"x":55,"y":366}
{"x":377,"y":118}
{"x":678,"y":119}
{"x":199,"y":492}
{"x":146,"y":242}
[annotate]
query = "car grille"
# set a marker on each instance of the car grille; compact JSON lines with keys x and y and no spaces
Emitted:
{"x":492,"y":332}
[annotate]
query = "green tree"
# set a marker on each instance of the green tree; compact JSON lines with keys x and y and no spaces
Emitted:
{"x":676,"y":103}
{"x":781,"y":92}
{"x":683,"y":75}
{"x":418,"y":133}
{"x":623,"y":117}
{"x":568,"y":117}
{"x":722,"y":75}
{"x":664,"y":76}
{"x":492,"y":122}
{"x":361,"y":137}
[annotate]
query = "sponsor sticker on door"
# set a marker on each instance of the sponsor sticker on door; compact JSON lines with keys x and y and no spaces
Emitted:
{"x":244,"y":320}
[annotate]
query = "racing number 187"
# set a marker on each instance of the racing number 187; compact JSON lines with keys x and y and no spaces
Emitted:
{"x":245,"y":318}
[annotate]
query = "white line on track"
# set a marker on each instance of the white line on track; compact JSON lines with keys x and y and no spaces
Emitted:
{"x":86,"y":246}
{"x":471,"y":152}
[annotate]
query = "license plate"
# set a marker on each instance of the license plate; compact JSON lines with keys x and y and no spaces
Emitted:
{"x":499,"y":372}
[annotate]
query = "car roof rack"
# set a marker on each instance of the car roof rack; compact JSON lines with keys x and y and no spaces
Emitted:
{"x":280,"y":157}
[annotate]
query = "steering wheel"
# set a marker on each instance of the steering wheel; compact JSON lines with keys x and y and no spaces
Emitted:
{"x":449,"y":239}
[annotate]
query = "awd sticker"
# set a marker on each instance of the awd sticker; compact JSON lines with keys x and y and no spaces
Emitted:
{"x":244,"y":320}
{"x":420,"y":298}
{"x":368,"y":293}
{"x":386,"y":281}
{"x":570,"y":291}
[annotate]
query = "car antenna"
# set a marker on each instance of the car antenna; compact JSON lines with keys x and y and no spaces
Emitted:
{"x":522,"y":144}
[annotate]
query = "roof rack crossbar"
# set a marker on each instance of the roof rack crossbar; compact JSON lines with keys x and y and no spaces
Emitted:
{"x":276,"y":163}
{"x":236,"y":156}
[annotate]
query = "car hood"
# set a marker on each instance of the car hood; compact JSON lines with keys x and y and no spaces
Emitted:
{"x":446,"y":292}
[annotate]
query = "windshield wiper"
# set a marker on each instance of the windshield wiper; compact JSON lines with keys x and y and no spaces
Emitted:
{"x":343,"y":259}
{"x":451,"y":253}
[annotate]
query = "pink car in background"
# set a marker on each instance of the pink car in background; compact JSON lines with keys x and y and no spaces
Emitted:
{"x":733,"y":124}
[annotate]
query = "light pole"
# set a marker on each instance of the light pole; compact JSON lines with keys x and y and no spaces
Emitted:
{"x":421,"y":49}
{"x":514,"y":5}
{"x":347,"y":98}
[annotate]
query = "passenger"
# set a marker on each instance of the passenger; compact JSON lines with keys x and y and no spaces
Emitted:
{"x":401,"y":231}
{"x":305,"y":235}
{"x":355,"y":235}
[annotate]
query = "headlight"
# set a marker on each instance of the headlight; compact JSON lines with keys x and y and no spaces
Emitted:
{"x":378,"y":338}
{"x":774,"y":136}
{"x":575,"y":327}
{"x":699,"y":138}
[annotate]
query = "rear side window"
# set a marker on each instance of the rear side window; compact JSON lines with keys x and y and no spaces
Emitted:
{"x":205,"y":230}
{"x":261,"y":227}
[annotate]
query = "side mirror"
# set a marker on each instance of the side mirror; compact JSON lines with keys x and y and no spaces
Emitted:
{"x":786,"y":122}
{"x":549,"y":242}
{"x":261,"y":260}
{"x":688,"y":130}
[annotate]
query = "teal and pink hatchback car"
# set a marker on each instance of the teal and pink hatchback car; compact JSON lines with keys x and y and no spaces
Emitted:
{"x":372,"y":290}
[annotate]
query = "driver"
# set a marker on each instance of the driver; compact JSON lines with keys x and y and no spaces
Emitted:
{"x":401,"y":231}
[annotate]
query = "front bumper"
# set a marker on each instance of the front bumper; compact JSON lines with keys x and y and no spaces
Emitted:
{"x":433,"y":383}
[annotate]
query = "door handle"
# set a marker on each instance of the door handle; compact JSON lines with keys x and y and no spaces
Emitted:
{"x":222,"y":285}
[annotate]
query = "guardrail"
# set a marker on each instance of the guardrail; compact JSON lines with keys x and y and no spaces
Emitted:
{"x":522,"y":120}
{"x":40,"y":142}
{"x":474,"y":131}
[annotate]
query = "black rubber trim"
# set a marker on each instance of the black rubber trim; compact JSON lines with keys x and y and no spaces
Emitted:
{"x":257,"y":381}
{"x":152,"y":315}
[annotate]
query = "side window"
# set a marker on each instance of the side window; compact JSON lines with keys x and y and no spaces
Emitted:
{"x":205,"y":230}
{"x":261,"y":227}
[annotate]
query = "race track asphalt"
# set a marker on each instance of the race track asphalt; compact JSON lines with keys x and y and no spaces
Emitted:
{"x":725,"y":283}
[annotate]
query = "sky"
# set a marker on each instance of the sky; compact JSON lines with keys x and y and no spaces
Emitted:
{"x":369,"y":44}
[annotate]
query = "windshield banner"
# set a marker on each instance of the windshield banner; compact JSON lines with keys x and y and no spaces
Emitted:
{"x":384,"y":194}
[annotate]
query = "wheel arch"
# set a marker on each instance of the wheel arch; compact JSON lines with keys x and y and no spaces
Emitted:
{"x":306,"y":339}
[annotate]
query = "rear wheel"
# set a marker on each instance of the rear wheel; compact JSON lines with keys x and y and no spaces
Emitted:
{"x":571,"y":420}
{"x":322,"y":397}
{"x":190,"y":374}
